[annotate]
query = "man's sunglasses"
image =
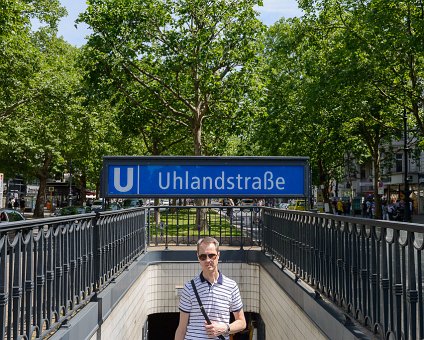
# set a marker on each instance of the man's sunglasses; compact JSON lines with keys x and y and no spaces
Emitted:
{"x":203,"y":257}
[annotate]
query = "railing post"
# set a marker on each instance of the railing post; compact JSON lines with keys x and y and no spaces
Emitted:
{"x":40,"y":282}
{"x":97,"y":254}
{"x":147,"y":219}
{"x":397,"y":287}
{"x":412,"y":293}
{"x":29,"y":284}
{"x":166,"y":229}
{"x":16,"y":277}
{"x":241,"y":230}
{"x":4,"y":299}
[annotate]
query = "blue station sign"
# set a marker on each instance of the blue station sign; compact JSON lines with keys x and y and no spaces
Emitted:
{"x":205,"y":177}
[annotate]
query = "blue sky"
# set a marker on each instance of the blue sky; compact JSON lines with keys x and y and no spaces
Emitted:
{"x":270,"y":13}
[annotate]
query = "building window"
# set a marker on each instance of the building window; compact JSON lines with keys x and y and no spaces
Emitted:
{"x":399,"y":162}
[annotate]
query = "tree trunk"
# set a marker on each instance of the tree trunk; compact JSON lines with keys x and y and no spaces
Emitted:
{"x":42,"y":177}
{"x":324,"y":182}
{"x":97,"y":190}
{"x":376,"y":176}
{"x":157,"y":212}
{"x":40,"y":201}
{"x":201,"y":217}
{"x":197,"y":135}
{"x":83,"y":195}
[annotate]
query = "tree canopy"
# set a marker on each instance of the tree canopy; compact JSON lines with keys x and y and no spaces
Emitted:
{"x":205,"y":77}
{"x":187,"y":62}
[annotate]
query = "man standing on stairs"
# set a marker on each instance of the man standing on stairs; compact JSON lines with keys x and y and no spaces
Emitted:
{"x":217,"y":293}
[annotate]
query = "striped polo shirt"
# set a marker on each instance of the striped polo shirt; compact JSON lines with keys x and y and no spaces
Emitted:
{"x":219,"y":300}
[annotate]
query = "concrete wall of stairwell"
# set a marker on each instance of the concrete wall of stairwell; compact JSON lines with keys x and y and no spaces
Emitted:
{"x":155,"y":292}
{"x":283,"y":318}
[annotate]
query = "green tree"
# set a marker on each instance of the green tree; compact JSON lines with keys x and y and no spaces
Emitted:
{"x":302,"y":116}
{"x":192,"y":59}
{"x":35,"y":141}
{"x":328,"y":95}
{"x":19,"y":57}
{"x":387,"y":35}
{"x":377,"y":64}
{"x":94,"y":134}
{"x":188,"y":62}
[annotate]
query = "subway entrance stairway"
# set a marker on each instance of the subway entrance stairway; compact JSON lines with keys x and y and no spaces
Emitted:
{"x":301,"y":274}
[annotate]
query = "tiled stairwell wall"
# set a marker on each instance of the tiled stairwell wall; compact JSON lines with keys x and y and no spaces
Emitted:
{"x":155,"y":291}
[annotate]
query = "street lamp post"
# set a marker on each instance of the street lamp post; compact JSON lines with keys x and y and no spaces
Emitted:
{"x":407,"y":214}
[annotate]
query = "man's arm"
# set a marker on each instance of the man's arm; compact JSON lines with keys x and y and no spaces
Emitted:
{"x":182,"y":326}
{"x":219,"y":328}
{"x":239,"y":322}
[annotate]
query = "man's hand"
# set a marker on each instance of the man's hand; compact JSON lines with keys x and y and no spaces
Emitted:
{"x":215,"y":329}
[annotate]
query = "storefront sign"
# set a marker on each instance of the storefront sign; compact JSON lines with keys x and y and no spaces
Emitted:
{"x":32,"y":190}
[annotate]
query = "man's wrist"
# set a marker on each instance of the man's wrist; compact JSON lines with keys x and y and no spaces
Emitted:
{"x":227,"y":329}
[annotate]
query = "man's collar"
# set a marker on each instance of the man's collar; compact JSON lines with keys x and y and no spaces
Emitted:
{"x":202,"y":278}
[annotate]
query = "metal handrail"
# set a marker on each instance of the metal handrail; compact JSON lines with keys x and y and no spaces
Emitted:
{"x":372,"y":269}
{"x":51,"y":267}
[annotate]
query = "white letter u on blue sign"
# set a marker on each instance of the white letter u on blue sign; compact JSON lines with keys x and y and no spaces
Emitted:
{"x":117,"y":180}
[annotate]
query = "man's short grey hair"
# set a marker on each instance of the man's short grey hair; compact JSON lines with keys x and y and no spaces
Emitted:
{"x":208,"y":240}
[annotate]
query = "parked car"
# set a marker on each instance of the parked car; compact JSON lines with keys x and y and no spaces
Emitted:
{"x":215,"y":201}
{"x":113,"y":206}
{"x":97,"y":205}
{"x":283,"y":205}
{"x":246,"y":202}
{"x":132,"y":203}
{"x":147,"y":201}
{"x":10,"y":215}
{"x":164,"y":201}
{"x":297,"y":205}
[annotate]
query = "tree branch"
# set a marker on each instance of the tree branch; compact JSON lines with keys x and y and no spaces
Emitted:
{"x":10,"y":109}
{"x":164,"y":85}
{"x":157,"y":95}
{"x":138,"y":104}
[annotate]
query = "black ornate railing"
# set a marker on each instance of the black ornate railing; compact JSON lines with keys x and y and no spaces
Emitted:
{"x":50,"y":268}
{"x":371,"y":269}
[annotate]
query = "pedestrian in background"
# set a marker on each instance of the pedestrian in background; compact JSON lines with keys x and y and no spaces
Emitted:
{"x":230,"y":204}
{"x":348,"y":207}
{"x":390,"y":211}
{"x":22,"y":204}
{"x":339,"y":206}
{"x":16,"y":204}
{"x":334,"y":203}
{"x":364,"y":208}
{"x":369,"y":208}
{"x":384,"y":209}
{"x":161,"y":228}
{"x":218,"y":294}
